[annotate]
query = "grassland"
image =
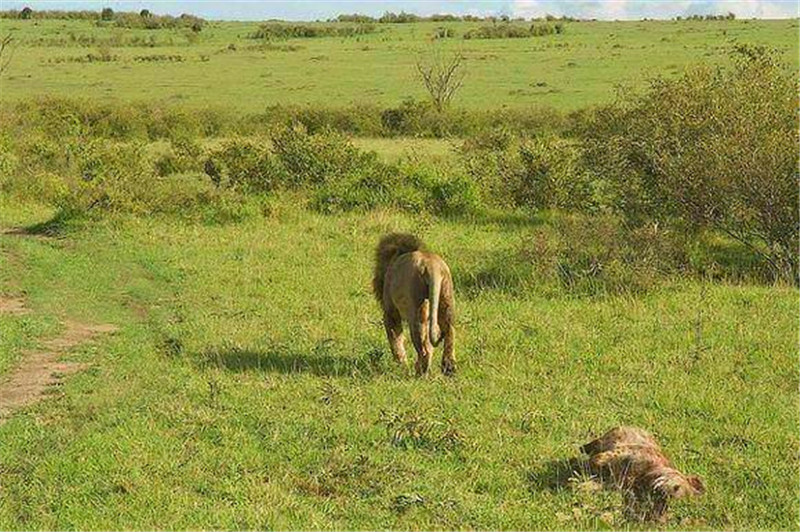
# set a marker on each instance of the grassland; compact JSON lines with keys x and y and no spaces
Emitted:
{"x":250,"y":386}
{"x":223,"y":68}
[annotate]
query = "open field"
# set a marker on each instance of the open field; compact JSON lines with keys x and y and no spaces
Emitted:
{"x":202,"y":270}
{"x":222,"y":68}
{"x":249,"y":386}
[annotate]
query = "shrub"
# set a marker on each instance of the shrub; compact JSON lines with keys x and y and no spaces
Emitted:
{"x":716,"y":148}
{"x":586,"y":255}
{"x":314,"y":159}
{"x":454,"y":195}
{"x":379,"y":187}
{"x":358,"y":120}
{"x":86,"y":176}
{"x":411,"y":186}
{"x":61,"y":116}
{"x":539,"y":173}
{"x":245,"y":165}
{"x":183,"y":156}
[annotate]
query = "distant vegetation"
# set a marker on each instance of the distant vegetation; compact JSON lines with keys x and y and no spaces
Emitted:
{"x":729,"y":16}
{"x":142,"y":20}
{"x":511,"y":31}
{"x":285,"y":30}
{"x":626,"y":159}
{"x":407,"y":18}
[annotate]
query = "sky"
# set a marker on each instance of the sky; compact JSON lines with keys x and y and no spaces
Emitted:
{"x":323,"y":9}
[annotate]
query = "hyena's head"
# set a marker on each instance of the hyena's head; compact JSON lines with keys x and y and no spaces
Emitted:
{"x":675,"y":485}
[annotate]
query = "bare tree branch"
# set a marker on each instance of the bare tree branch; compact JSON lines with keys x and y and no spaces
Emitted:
{"x":442,"y":76}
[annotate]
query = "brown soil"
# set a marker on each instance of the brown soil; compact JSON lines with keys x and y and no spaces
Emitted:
{"x":41,"y":370}
{"x":12,"y":305}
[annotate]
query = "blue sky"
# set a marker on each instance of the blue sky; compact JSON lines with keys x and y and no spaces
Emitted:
{"x":322,"y":9}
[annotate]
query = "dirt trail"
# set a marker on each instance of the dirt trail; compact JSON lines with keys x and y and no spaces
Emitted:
{"x":40,"y":370}
{"x":12,"y":305}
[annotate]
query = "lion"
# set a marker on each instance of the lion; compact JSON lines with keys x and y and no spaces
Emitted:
{"x":635,"y":463}
{"x":415,"y":285}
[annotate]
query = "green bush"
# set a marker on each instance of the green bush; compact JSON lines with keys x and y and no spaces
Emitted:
{"x":314,"y":159}
{"x":715,"y":149}
{"x":378,"y":188}
{"x":410,"y":186}
{"x":85,"y":176}
{"x":182,"y":156}
{"x":538,"y":173}
{"x":245,"y":165}
{"x":587,"y":255}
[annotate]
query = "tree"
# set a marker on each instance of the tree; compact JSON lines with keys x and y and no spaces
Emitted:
{"x":442,"y":76}
{"x":144,"y":13}
{"x":107,"y":14}
{"x":6,"y":51}
{"x":26,"y":13}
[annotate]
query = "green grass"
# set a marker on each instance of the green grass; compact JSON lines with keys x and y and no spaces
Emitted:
{"x":395,"y":149}
{"x":570,"y":71}
{"x":250,"y":384}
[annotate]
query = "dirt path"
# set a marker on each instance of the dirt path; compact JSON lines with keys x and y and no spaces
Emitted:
{"x":40,"y":370}
{"x":12,"y":305}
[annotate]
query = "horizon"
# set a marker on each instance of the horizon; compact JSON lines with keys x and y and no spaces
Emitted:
{"x":309,"y":10}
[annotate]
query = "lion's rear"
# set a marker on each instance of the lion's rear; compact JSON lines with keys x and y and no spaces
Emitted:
{"x":390,"y":247}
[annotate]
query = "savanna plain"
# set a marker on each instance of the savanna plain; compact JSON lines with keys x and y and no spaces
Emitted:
{"x":617,"y":202}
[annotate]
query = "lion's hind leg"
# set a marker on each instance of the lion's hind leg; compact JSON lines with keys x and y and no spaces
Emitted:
{"x":449,"y":357}
{"x":419,"y":335}
{"x":445,"y":319}
{"x":394,"y":332}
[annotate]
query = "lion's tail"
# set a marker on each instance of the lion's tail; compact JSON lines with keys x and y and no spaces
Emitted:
{"x":389,"y":247}
{"x":434,"y":289}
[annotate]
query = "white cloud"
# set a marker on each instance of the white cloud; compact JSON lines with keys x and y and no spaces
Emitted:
{"x":637,"y":9}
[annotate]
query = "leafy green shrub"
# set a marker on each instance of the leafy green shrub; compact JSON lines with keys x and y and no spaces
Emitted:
{"x":357,"y":120}
{"x":715,"y":149}
{"x":456,"y":195}
{"x":183,"y":156}
{"x":244,"y":165}
{"x":83,"y":176}
{"x":398,"y":18}
{"x":540,"y":173}
{"x":587,"y":255}
{"x":61,"y":117}
{"x":410,"y":186}
{"x":378,"y":188}
{"x":314,"y":159}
